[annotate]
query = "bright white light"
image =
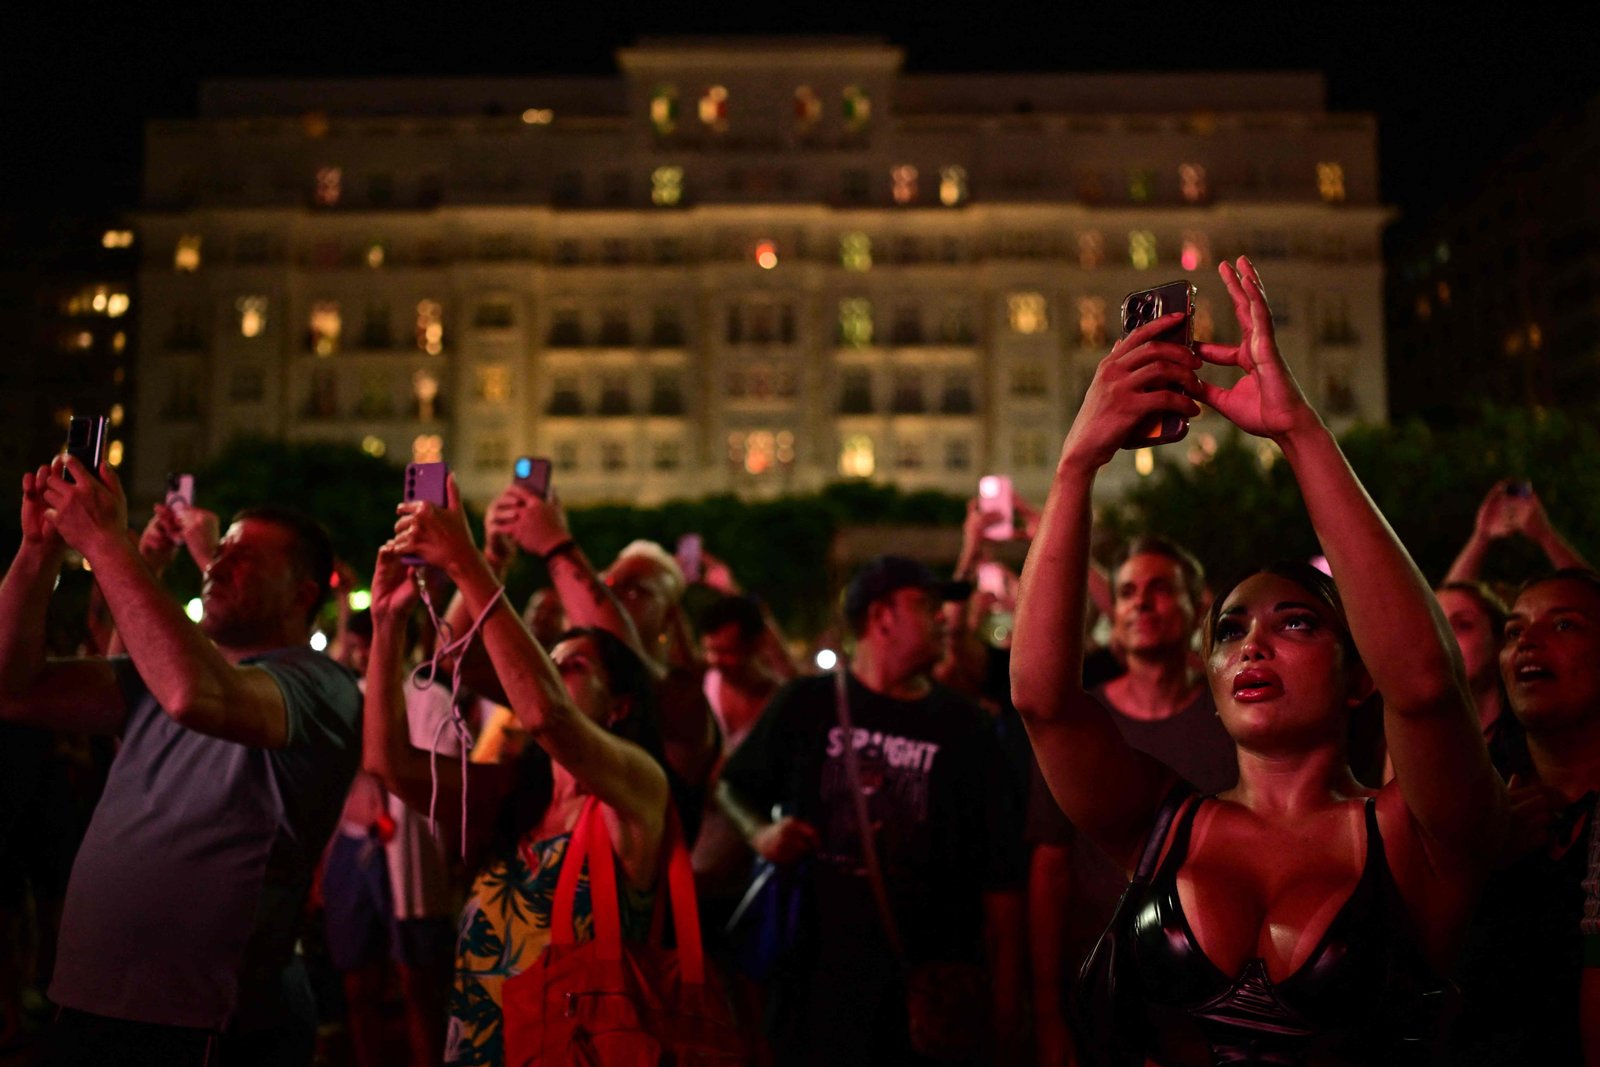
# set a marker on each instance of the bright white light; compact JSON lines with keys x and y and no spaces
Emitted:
{"x":360,"y":600}
{"x":826,"y":659}
{"x":1144,"y":460}
{"x":319,"y":640}
{"x":194,"y":610}
{"x":767,"y":255}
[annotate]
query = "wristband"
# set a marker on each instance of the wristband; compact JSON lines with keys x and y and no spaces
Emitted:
{"x":565,"y":546}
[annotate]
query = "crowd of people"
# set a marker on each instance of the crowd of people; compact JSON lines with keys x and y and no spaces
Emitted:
{"x":1121,"y":814}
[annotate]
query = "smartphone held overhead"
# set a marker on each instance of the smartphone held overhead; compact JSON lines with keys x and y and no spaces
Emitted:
{"x":996,"y":500}
{"x":180,"y":492}
{"x":428,"y":482}
{"x":533,"y":474}
{"x":86,"y":442}
{"x":1147,"y":305}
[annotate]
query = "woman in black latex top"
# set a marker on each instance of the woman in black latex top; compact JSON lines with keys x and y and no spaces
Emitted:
{"x":1298,"y":917}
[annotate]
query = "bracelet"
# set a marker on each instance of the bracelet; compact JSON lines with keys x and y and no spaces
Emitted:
{"x":565,"y":546}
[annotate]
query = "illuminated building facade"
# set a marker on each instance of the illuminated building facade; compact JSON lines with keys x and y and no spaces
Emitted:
{"x":740,"y":266}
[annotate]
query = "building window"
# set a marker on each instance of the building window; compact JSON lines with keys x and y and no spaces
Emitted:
{"x":568,"y":253}
{"x":1336,"y":328}
{"x":908,"y":455}
{"x":374,"y":446}
{"x":325,"y":327}
{"x":566,"y":329}
{"x":427,"y":448}
{"x":957,"y":396}
{"x":565,"y":399}
{"x":375,"y":255}
{"x":491,"y":452}
{"x":758,"y":449}
{"x":376,"y":402}
{"x":430,"y":327}
{"x":907,"y":399}
{"x":855,"y":322}
{"x":117,"y":239}
{"x":1030,"y":449}
{"x":1195,"y":251}
{"x":668,"y":250}
{"x":1142,"y":249}
{"x":493,"y":315}
{"x":957,"y":454}
{"x":664,"y":109}
{"x":855,"y":186}
{"x":735,"y":324}
{"x":566,"y":456}
{"x":186,"y":256}
{"x":569,"y":187}
{"x":1338,"y":398}
{"x":952,"y":185}
{"x":425,"y":395}
{"x":666,"y":455}
{"x":666,"y":327}
{"x":184,"y":335}
{"x":857,"y":108}
{"x":1192,"y":182}
{"x":807,"y":108}
{"x":855,"y":251}
{"x":1030,"y":379}
{"x":856,"y":456}
{"x":714,"y":108}
{"x":907,"y":325}
{"x":615,"y":329}
{"x":666,"y":393}
{"x":1027,"y":312}
{"x":247,"y":385}
{"x":613,"y":456}
{"x":903,"y":182}
{"x":380,"y":190}
{"x":614,"y":395}
{"x":1330,"y":182}
{"x":955,"y":325}
{"x":1091,"y":249}
{"x":614,"y":187}
{"x":1091,"y":321}
{"x":855,"y":392}
{"x":1141,"y":184}
{"x":252,"y":315}
{"x":323,"y":400}
{"x":735,"y":384}
{"x":251,"y":248}
{"x":328,"y":186}
{"x":766,"y":254}
{"x":493,"y":383}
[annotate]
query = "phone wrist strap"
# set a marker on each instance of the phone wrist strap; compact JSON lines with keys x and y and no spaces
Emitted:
{"x":561,"y":549}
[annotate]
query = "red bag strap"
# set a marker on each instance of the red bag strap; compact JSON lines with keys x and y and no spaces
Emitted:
{"x":685,"y":907}
{"x":590,"y":842}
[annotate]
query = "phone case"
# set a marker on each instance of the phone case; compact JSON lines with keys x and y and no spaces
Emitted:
{"x":995,"y":495}
{"x":86,"y":442}
{"x":180,"y":491}
{"x":426,"y":481}
{"x":689,"y":556}
{"x":533,"y":474}
{"x":1145,"y":306}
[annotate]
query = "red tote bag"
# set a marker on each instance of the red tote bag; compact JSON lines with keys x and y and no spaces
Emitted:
{"x":606,"y":1004}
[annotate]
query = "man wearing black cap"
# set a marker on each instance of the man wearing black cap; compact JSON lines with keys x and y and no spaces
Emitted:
{"x":932,"y":773}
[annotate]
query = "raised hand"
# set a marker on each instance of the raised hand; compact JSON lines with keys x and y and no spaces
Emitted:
{"x":158,"y":543}
{"x":440,"y":536}
{"x":87,"y":511}
{"x":1130,"y":383}
{"x":1493,"y":520}
{"x":200,"y":531}
{"x":394,"y":593}
{"x":36,"y":526}
{"x":538,"y":523}
{"x":1267,"y":401}
{"x":499,"y":530}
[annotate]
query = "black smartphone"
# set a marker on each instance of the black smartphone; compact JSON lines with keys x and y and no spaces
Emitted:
{"x":426,"y":481}
{"x":533,"y":474}
{"x":86,"y":440}
{"x":1521,"y":489}
{"x":1147,"y":305}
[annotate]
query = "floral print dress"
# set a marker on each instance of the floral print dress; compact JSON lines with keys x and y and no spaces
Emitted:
{"x":504,"y":928}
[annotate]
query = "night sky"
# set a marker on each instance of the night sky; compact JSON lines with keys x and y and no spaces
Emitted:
{"x":1453,"y":87}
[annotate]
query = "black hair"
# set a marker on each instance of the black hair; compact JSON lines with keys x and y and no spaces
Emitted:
{"x":311,"y":552}
{"x":1321,"y":587}
{"x":360,"y":623}
{"x":1581,"y":575}
{"x":1194,"y":574}
{"x":742,"y":611}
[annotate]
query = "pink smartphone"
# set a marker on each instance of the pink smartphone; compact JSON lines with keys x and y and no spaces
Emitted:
{"x":426,"y":481}
{"x":1147,"y":305}
{"x":992,"y":579}
{"x":180,"y":492}
{"x":533,"y":474}
{"x":690,"y":556}
{"x":994,"y":497}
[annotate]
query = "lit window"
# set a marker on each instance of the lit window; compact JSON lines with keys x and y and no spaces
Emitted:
{"x":714,"y":108}
{"x":664,"y":109}
{"x":430,"y":327}
{"x":785,"y":450}
{"x":1142,"y":249}
{"x":1092,"y":321}
{"x":613,"y":456}
{"x":114,"y":453}
{"x":1194,"y":250}
{"x":1192,"y":182}
{"x":330,"y":180}
{"x":952,"y":185}
{"x":760,"y":450}
{"x":1141,"y":183}
{"x":1330,"y":182}
{"x":1513,"y":339}
{"x":373,"y":446}
{"x":494,"y":383}
{"x":325,"y":327}
{"x":77,"y":339}
{"x":766,"y":254}
{"x":427,"y":448}
{"x":117,"y":239}
{"x":1144,"y":460}
{"x":807,"y":107}
{"x":904,"y":178}
{"x":491,"y":452}
{"x":566,"y":456}
{"x":1029,"y":379}
{"x":1091,"y":250}
{"x":857,"y":107}
{"x":375,"y":255}
{"x":425,"y":387}
{"x":117,"y":414}
{"x":252,"y":315}
{"x":856,"y":457}
{"x":1027,"y":312}
{"x":666,"y":186}
{"x":187,"y":255}
{"x":1535,"y":335}
{"x":855,"y":322}
{"x":119,"y":341}
{"x":538,"y":116}
{"x":855,"y":251}
{"x":116,"y":305}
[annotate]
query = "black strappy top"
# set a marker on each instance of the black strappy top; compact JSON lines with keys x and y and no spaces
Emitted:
{"x":1365,"y":995}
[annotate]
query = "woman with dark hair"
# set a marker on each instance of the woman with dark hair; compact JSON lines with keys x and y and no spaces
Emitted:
{"x":587,"y":705}
{"x":1477,"y":618}
{"x":1297,"y":918}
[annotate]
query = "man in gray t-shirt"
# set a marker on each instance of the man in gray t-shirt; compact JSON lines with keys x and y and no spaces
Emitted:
{"x":238,"y":745}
